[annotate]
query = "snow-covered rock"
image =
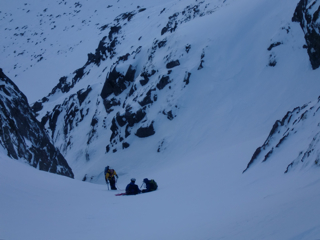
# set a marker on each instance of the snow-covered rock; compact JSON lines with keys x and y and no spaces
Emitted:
{"x":297,"y":132}
{"x":133,"y":79}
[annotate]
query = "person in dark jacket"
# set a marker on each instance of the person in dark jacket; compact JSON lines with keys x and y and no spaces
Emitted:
{"x":151,"y":185}
{"x":132,"y":188}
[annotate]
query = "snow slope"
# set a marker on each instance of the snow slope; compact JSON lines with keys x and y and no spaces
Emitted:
{"x":44,"y":41}
{"x":225,"y":113}
{"x":202,"y":200}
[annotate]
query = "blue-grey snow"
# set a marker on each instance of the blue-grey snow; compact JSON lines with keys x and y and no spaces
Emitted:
{"x":217,"y":100}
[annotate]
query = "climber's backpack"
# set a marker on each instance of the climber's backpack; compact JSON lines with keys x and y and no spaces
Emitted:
{"x":153,"y":185}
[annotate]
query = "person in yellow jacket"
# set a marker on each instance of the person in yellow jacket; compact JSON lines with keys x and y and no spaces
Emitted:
{"x":110,"y":175}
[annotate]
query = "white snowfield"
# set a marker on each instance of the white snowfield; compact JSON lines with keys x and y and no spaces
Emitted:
{"x":203,"y":197}
{"x":225,"y":113}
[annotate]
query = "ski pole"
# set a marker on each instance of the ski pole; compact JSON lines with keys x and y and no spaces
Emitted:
{"x":116,"y":182}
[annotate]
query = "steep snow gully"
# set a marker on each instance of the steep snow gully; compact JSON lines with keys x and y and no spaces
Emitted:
{"x":216,"y":100}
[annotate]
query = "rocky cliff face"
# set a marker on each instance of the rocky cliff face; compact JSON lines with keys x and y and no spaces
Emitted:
{"x":119,"y":93}
{"x":124,"y":105}
{"x":22,"y":136}
{"x":307,"y":14}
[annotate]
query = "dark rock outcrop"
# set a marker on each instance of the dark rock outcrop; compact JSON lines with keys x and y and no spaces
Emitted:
{"x":308,"y":17}
{"x":100,"y":54}
{"x":116,"y":82}
{"x":146,"y":76}
{"x":190,"y":12}
{"x":273,"y":45}
{"x":148,"y":99}
{"x":187,"y":78}
{"x":164,"y":81}
{"x":22,"y":136}
{"x":173,"y":64}
{"x":143,"y":132}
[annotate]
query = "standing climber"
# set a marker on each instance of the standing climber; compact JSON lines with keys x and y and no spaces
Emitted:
{"x":132,"y":188}
{"x":110,"y":175}
{"x":151,"y":185}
